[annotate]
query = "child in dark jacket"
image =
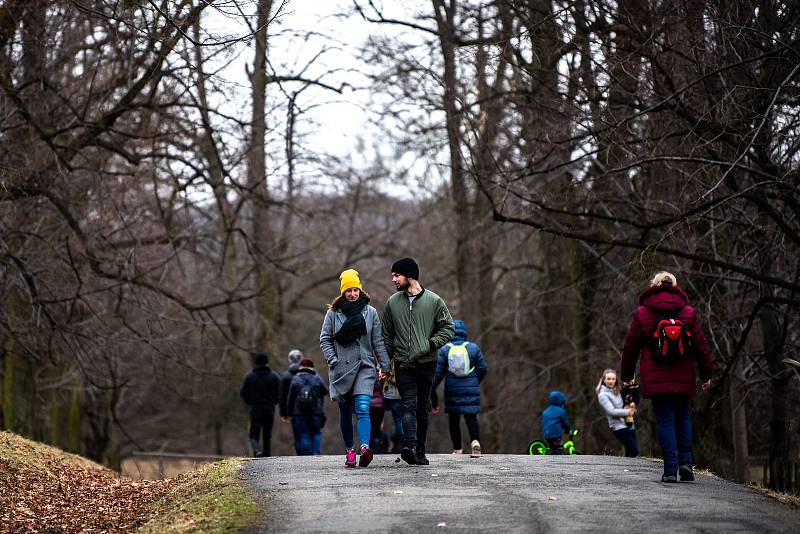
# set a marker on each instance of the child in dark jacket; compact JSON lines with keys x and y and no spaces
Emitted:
{"x":555,"y":422}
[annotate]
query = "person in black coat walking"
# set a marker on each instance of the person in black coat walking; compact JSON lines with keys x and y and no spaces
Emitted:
{"x":462,"y":366}
{"x":304,"y":403}
{"x":260,"y":390}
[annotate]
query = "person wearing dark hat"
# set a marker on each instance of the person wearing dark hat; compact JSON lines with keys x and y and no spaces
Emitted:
{"x":305,"y":407}
{"x":416,"y":324}
{"x":260,"y":390}
{"x":294,"y":357}
{"x":350,"y":336}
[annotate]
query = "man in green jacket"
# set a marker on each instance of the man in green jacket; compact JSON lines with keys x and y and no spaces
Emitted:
{"x":416,"y":323}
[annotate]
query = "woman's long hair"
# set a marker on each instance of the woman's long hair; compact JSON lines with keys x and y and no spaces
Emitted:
{"x":603,"y":377}
{"x":334,"y":305}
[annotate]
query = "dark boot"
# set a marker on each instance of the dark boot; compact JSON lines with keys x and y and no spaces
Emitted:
{"x":421,"y":458}
{"x":256,"y":449}
{"x":408,"y":456}
{"x":686,"y":473}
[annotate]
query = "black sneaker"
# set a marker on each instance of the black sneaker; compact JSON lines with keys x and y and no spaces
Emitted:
{"x":669,"y":478}
{"x":422,"y":459}
{"x":686,"y":473}
{"x":408,"y":456}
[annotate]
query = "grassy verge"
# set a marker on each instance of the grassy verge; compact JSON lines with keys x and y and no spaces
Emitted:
{"x":209,"y":500}
{"x":788,"y":499}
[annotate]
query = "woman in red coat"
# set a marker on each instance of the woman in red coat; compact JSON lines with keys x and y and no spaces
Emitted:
{"x":666,"y":332}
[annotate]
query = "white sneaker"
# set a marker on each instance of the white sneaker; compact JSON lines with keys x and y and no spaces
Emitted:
{"x":457,"y":451}
{"x":476,"y":449}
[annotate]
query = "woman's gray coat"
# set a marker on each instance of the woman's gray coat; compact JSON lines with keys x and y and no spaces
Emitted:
{"x":613,"y":406}
{"x":351,"y":368}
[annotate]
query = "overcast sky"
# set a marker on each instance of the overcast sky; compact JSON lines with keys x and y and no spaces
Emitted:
{"x":334,"y":122}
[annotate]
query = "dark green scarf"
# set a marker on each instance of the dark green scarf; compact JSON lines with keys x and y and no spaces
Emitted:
{"x":354,"y":326}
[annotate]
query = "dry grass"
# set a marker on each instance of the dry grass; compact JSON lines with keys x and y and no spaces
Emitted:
{"x":207,"y":500}
{"x":788,"y":499}
{"x":20,"y":452}
{"x":43,"y":489}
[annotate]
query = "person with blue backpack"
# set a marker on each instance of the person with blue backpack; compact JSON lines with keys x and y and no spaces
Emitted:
{"x":462,"y":366}
{"x":555,"y":422}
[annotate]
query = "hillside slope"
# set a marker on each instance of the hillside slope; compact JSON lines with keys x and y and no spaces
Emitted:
{"x":41,"y":486}
{"x":45,"y":489}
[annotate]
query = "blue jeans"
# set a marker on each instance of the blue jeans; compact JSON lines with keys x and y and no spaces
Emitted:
{"x":297,"y":427}
{"x":359,"y":404}
{"x":674,"y":428}
{"x":310,"y":434}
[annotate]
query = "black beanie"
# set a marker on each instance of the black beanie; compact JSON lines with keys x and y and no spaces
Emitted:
{"x":407,"y":267}
{"x":259,"y":358}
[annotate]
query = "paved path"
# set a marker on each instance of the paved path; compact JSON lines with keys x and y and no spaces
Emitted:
{"x":502,"y":493}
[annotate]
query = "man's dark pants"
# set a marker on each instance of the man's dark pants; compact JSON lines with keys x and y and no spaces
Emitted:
{"x":261,"y":418}
{"x":415,"y":391}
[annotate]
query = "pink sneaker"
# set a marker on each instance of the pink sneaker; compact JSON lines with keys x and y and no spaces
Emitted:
{"x":350,"y":459}
{"x":366,"y":456}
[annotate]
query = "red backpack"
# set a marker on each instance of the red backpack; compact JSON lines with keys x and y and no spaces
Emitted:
{"x":671,"y":340}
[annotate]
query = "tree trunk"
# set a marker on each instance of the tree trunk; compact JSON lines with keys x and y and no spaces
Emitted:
{"x":74,"y":425}
{"x":445,"y":20}
{"x":779,"y":382}
{"x":738,"y":425}
{"x":8,"y":384}
{"x":264,"y":337}
{"x":226,"y":220}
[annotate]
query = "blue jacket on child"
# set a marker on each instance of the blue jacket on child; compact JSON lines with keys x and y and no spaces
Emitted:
{"x":554,"y":417}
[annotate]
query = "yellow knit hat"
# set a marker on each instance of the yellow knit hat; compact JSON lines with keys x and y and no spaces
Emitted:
{"x":349,"y":278}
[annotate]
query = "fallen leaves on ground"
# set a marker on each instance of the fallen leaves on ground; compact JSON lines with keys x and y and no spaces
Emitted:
{"x":55,"y":496}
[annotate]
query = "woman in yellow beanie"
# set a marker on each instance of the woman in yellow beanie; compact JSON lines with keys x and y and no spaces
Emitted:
{"x":351,"y":334}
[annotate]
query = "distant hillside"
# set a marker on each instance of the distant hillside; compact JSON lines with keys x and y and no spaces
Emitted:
{"x":44,"y":488}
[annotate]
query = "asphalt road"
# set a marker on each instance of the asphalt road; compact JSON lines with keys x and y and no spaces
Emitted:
{"x":502,"y":493}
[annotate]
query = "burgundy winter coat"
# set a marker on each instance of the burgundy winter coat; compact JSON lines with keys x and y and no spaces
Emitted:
{"x":658,"y":378}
